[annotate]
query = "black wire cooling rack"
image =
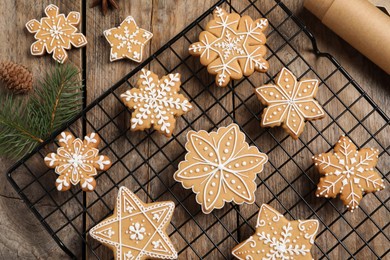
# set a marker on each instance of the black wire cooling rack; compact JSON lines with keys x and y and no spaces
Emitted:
{"x":146,"y":161}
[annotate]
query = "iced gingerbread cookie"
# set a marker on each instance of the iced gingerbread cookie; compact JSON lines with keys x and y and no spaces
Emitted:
{"x":136,"y":230}
{"x":232,"y":46}
{"x":289,"y":103}
{"x":278,"y":238}
{"x":77,"y":161}
{"x":156,"y":102}
{"x":220,"y":167}
{"x":127,"y":40}
{"x":348,"y":172}
{"x":56,"y":33}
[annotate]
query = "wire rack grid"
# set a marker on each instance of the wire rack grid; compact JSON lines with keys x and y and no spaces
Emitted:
{"x":145,"y":161}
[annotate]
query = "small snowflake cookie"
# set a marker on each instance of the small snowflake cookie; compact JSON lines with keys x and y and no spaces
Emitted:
{"x":232,"y":46}
{"x":348,"y":172}
{"x":277,"y":238}
{"x":56,"y":33}
{"x":77,"y":161}
{"x":289,"y":103}
{"x":156,"y":102}
{"x":127,"y":40}
{"x":220,"y":167}
{"x":136,"y":230}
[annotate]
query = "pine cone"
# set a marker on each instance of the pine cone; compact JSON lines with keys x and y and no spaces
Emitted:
{"x":16,"y":77}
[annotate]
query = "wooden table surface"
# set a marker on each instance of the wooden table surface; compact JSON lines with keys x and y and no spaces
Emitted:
{"x":21,"y":235}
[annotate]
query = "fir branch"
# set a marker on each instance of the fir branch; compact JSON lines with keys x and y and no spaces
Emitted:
{"x":25,"y":123}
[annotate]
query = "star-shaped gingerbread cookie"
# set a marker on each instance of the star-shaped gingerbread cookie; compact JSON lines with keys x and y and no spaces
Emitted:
{"x":136,"y":230}
{"x":156,"y":102}
{"x":278,"y":238}
{"x":77,"y":161}
{"x":127,"y":40}
{"x":56,"y":33}
{"x":289,"y":103}
{"x":348,"y":172}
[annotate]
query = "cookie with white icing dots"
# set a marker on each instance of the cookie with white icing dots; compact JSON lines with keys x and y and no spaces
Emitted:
{"x":289,"y":103}
{"x":220,"y":167}
{"x":56,"y":33}
{"x":156,"y":102}
{"x":278,"y":238}
{"x":136,"y":230}
{"x":232,"y":46}
{"x":127,"y":40}
{"x":349,"y":172}
{"x":77,"y":161}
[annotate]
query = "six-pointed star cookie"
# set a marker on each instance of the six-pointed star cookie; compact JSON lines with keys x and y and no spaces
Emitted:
{"x":156,"y":102}
{"x":136,"y":230}
{"x":56,"y":33}
{"x":289,"y":103}
{"x":348,"y":172}
{"x":232,"y":46}
{"x":278,"y":238}
{"x":220,"y":167}
{"x":127,"y":40}
{"x":76,"y":161}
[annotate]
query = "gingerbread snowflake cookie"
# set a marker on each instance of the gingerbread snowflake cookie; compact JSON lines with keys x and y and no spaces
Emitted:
{"x":77,"y":161}
{"x":56,"y":33}
{"x":127,"y":40}
{"x":232,"y":46}
{"x":156,"y":102}
{"x":290,"y":103}
{"x":220,"y":167}
{"x":136,"y":230}
{"x":348,"y":172}
{"x":278,"y":238}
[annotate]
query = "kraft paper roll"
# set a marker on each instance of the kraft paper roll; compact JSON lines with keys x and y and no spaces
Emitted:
{"x":359,"y":23}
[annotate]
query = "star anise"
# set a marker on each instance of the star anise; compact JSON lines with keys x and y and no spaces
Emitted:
{"x":105,"y":4}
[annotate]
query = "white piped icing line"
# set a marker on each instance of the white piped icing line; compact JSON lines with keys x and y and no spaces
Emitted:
{"x":220,"y":167}
{"x":229,"y":39}
{"x":348,"y":172}
{"x":290,"y":103}
{"x":136,"y":230}
{"x":156,"y":102}
{"x":55,"y":33}
{"x":77,"y":161}
{"x":278,"y":238}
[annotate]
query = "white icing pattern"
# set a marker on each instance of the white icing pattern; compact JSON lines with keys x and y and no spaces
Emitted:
{"x":232,"y":46}
{"x":140,"y":235}
{"x":220,"y":167}
{"x":156,"y":102}
{"x":348,"y":172}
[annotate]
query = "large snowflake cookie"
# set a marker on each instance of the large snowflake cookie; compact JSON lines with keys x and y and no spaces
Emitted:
{"x":348,"y":172}
{"x":232,"y":46}
{"x":156,"y":102}
{"x":136,"y":230}
{"x":220,"y":167}
{"x":77,"y":161}
{"x":56,"y":33}
{"x":289,"y":103}
{"x":277,"y":238}
{"x":127,"y":40}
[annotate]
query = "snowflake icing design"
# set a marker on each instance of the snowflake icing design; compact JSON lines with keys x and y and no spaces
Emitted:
{"x":138,"y":235}
{"x":289,"y":103}
{"x":76,"y":161}
{"x":348,"y":172}
{"x":220,"y":167}
{"x":232,"y":46}
{"x":278,"y":238}
{"x":56,"y":33}
{"x":156,"y":102}
{"x":127,"y":40}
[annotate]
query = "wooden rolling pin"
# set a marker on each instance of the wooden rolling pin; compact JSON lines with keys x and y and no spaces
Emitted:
{"x":359,"y":23}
